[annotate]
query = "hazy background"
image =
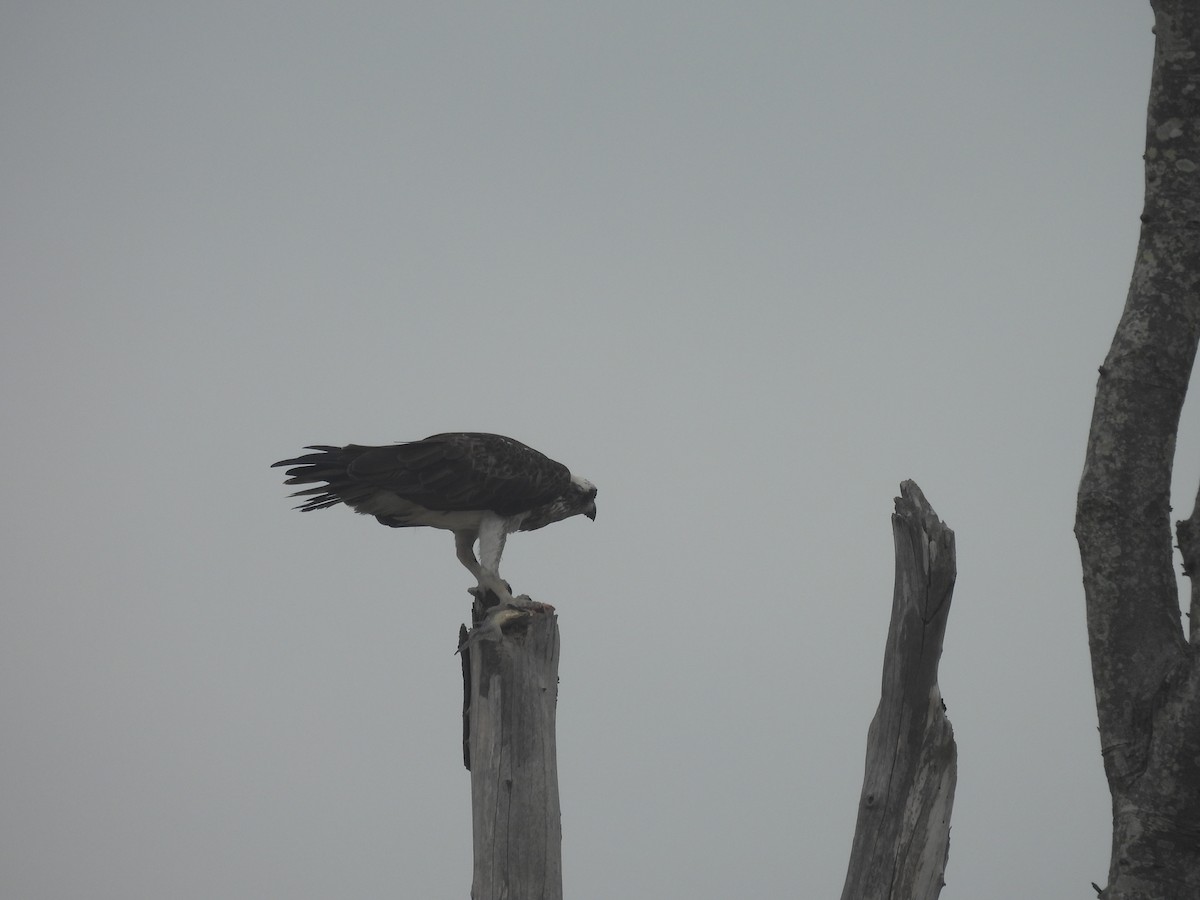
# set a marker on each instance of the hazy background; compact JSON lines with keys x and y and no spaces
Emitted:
{"x":745,"y":266}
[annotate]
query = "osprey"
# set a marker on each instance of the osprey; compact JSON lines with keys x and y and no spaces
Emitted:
{"x":481,"y":486}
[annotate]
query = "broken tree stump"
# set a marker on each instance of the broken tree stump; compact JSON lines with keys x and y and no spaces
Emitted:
{"x":511,"y":689}
{"x":902,"y":838}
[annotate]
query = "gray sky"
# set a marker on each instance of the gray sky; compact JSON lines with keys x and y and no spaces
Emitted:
{"x":746,"y":267}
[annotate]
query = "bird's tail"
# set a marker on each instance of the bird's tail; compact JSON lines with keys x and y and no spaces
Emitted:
{"x":328,"y":468}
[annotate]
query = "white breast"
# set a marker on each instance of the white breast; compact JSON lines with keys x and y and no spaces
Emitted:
{"x":383,"y":503}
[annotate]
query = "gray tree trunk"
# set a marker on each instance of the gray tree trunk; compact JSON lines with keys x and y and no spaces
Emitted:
{"x":510,"y":750}
{"x":902,"y":839}
{"x":1146,"y":674}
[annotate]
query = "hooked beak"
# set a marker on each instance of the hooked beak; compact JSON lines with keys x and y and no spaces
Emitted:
{"x":590,"y":511}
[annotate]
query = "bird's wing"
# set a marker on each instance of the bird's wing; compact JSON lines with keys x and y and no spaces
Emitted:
{"x":445,"y":472}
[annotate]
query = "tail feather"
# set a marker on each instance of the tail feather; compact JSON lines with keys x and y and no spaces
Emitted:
{"x":327,"y":468}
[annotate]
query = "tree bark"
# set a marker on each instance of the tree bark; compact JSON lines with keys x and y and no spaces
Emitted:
{"x":510,"y":750}
{"x":1146,"y":676}
{"x":1187,"y":532}
{"x":902,"y":839}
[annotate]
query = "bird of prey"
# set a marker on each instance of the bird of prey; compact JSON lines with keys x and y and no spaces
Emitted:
{"x":480,"y":486}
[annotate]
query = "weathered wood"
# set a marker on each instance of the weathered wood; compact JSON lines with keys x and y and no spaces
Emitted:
{"x":514,"y":769}
{"x":902,"y":839}
{"x":1146,"y":674}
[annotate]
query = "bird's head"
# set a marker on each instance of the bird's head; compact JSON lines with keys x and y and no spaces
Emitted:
{"x":582,"y":497}
{"x":578,"y":498}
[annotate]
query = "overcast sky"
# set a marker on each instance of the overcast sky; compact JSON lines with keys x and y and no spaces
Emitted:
{"x":744,"y":266}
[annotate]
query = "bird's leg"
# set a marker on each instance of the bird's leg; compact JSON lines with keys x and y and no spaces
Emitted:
{"x":493,"y":532}
{"x":464,"y":549}
{"x":487,"y":578}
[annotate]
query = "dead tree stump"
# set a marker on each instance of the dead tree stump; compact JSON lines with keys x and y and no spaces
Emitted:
{"x":902,"y":839}
{"x":511,"y":689}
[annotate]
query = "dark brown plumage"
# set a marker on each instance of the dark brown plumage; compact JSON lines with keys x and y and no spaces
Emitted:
{"x":480,"y":486}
